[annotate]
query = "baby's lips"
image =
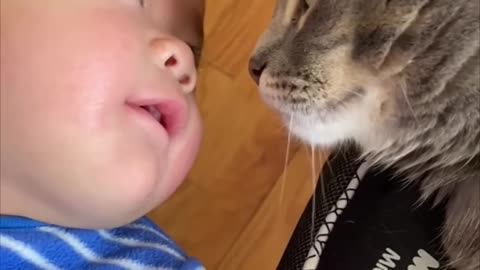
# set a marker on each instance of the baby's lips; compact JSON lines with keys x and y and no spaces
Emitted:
{"x":171,"y":114}
{"x":174,"y":117}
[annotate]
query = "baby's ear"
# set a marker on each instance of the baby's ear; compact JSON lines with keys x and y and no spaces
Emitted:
{"x":377,"y":35}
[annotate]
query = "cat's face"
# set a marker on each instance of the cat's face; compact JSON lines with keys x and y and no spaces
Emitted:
{"x":308,"y":68}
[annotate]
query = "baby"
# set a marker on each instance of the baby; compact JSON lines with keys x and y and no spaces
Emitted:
{"x":98,"y":127}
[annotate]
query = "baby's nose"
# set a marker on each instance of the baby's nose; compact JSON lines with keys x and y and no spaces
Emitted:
{"x":176,"y":57}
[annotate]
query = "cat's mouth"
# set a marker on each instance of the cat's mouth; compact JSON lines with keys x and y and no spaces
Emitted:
{"x":300,"y":97}
{"x":315,"y":113}
{"x":286,"y":95}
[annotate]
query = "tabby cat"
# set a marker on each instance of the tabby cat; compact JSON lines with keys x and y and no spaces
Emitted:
{"x":401,"y":78}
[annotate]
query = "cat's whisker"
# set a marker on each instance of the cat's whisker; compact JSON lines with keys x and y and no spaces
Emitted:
{"x":354,"y":92}
{"x":314,"y":198}
{"x":407,"y":100}
{"x":285,"y":165}
{"x":321,"y":157}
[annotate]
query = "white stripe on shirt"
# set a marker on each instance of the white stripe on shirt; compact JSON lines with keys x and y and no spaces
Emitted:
{"x":136,"y":243}
{"x":26,"y":252}
{"x":148,"y":229}
{"x":89,"y":255}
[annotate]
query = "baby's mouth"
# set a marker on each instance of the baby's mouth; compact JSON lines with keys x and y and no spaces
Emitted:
{"x":155,"y":114}
{"x":170,"y":115}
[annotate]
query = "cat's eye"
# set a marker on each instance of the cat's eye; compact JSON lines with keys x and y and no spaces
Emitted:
{"x":302,"y":7}
{"x":309,"y":3}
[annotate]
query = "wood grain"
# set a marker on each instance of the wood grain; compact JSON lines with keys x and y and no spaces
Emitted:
{"x":232,"y":212}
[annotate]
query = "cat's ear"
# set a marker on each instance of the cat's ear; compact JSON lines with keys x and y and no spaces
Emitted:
{"x":377,"y":35}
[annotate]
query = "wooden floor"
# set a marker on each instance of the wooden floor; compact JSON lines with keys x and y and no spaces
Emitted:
{"x":233,"y":212}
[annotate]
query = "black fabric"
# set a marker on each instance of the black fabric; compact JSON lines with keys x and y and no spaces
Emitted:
{"x":384,"y":221}
{"x":382,"y":227}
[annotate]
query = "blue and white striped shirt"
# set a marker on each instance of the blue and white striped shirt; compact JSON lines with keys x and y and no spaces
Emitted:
{"x":27,"y":244}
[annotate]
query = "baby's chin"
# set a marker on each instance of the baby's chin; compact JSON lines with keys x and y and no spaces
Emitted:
{"x":117,"y":195}
{"x":113,"y":204}
{"x":172,"y":174}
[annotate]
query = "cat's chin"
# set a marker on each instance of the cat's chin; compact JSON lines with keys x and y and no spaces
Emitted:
{"x":318,"y":133}
{"x":351,"y":124}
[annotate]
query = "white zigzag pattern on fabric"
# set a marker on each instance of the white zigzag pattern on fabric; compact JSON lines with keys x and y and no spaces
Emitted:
{"x":313,"y":257}
{"x":89,"y":255}
{"x":26,"y":252}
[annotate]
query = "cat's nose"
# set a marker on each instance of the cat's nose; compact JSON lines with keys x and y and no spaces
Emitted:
{"x":256,"y":66}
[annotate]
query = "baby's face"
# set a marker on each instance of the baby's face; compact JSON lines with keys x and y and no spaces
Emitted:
{"x":79,"y":146}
